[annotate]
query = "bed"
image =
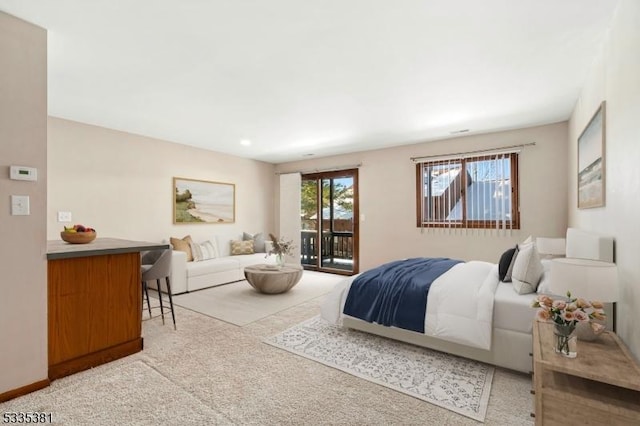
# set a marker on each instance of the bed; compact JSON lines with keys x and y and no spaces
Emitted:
{"x":495,"y":322}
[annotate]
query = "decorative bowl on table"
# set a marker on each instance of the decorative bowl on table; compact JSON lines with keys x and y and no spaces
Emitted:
{"x":78,"y":234}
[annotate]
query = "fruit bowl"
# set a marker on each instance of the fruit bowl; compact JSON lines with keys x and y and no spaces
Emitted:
{"x":78,"y":237}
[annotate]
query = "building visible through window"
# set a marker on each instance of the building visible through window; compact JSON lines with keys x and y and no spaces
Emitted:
{"x":475,"y":192}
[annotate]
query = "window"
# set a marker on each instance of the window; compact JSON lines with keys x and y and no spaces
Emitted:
{"x":474,"y":192}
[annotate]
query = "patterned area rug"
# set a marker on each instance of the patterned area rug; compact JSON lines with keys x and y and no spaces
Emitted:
{"x":457,"y":384}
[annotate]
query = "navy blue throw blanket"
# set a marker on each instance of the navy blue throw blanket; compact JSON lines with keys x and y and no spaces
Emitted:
{"x":395,"y":294}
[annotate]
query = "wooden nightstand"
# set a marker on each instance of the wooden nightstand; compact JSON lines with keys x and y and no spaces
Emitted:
{"x":600,"y":386}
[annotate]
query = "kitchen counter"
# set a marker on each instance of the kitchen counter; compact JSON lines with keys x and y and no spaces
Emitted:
{"x":58,"y":249}
{"x":94,"y":302}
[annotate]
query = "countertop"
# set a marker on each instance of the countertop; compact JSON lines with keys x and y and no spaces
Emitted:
{"x":58,"y":249}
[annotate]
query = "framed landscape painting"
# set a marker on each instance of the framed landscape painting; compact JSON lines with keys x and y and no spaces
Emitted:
{"x":591,"y":162}
{"x":200,"y":201}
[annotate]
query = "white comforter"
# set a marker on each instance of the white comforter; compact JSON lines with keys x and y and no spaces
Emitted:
{"x":459,"y":305}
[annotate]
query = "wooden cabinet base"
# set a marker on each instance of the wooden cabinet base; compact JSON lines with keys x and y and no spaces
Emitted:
{"x":95,"y":305}
{"x":94,"y":359}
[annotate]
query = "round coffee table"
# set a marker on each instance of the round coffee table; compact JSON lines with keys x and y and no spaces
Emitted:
{"x":272,"y":279}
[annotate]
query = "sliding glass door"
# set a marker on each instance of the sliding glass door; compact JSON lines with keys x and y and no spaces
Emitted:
{"x":329,"y":206}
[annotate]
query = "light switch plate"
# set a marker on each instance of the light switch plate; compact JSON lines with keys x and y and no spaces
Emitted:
{"x":64,"y":216}
{"x":20,"y":205}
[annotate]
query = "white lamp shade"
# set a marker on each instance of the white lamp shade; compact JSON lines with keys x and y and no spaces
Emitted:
{"x":588,"y":279}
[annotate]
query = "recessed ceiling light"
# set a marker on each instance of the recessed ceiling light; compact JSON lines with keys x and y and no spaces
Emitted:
{"x":245,"y":142}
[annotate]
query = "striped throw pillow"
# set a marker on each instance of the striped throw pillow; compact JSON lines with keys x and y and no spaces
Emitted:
{"x":204,"y":251}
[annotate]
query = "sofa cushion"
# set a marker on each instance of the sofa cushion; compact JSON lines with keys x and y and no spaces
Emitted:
{"x":241,"y":247}
{"x":254,"y":259}
{"x":184,"y":245}
{"x":212,"y":266}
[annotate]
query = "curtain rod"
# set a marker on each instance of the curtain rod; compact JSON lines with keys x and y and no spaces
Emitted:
{"x":330,"y":169}
{"x":500,"y":150}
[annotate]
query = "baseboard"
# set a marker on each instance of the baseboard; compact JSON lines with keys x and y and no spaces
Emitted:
{"x":14,"y":393}
{"x":94,"y":359}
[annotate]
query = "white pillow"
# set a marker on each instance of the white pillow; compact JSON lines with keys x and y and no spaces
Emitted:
{"x":545,"y":279}
{"x":204,"y":251}
{"x":527,"y":269}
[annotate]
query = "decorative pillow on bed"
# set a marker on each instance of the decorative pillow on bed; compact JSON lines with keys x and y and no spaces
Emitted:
{"x":527,"y":269}
{"x":545,"y":279}
{"x":505,"y":262}
{"x":509,"y":273}
{"x":204,"y":251}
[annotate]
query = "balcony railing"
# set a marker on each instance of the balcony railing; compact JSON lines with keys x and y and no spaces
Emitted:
{"x":337,"y":249}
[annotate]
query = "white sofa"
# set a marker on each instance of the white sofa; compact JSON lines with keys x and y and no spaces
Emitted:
{"x":224,"y":269}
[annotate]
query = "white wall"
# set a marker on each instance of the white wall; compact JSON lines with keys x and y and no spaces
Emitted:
{"x":615,"y":78}
{"x":388,"y":196}
{"x":23,"y":141}
{"x":122,"y":184}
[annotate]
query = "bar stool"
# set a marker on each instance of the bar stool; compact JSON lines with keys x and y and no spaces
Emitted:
{"x":156,"y":265}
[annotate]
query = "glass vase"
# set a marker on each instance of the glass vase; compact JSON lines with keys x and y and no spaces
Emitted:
{"x":565,"y":340}
{"x":280,"y":260}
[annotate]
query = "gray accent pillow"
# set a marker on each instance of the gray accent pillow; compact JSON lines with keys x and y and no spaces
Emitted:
{"x":527,"y":270}
{"x":258,"y":241}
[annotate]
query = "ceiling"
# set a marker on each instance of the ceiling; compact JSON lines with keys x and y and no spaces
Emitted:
{"x":315,"y":77}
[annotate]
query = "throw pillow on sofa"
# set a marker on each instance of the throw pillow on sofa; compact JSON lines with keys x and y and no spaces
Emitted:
{"x":204,"y":251}
{"x":184,"y":245}
{"x":258,"y":241}
{"x":241,"y":247}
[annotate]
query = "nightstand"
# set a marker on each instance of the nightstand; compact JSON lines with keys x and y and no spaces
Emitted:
{"x":600,"y":386}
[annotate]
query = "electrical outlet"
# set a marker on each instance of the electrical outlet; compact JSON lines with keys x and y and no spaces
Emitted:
{"x":64,"y":216}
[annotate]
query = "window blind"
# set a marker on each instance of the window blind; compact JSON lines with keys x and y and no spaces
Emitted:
{"x":475,"y":191}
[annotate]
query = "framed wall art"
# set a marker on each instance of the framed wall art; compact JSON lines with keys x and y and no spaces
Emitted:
{"x":200,"y":201}
{"x":591,"y":162}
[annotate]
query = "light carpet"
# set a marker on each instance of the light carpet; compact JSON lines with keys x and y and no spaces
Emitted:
{"x":457,"y":384}
{"x":238,"y":303}
{"x":101,"y":399}
{"x":246,"y":382}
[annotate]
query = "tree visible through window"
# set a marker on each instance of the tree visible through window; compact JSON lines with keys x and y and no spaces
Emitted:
{"x":476,"y":192}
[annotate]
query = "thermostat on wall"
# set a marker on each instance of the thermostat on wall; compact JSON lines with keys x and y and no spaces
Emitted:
{"x":23,"y":173}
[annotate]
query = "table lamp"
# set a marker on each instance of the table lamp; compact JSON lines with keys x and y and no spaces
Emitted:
{"x":588,"y":279}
